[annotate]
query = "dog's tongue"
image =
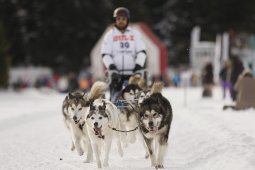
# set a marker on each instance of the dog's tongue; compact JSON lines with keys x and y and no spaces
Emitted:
{"x":97,"y":131}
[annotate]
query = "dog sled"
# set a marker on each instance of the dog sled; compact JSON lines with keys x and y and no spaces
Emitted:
{"x":116,"y":84}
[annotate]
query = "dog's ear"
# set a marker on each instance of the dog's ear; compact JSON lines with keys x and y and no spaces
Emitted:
{"x":103,"y":96}
{"x":141,"y":114}
{"x":85,"y":96}
{"x":91,"y":106}
{"x":87,"y":102}
{"x":104,"y":105}
{"x":159,"y":99}
{"x":70,"y":95}
{"x":88,"y":116}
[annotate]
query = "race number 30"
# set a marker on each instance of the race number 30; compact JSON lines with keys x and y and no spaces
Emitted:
{"x":124,"y":45}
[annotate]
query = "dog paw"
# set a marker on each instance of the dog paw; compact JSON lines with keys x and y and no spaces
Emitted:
{"x":105,"y":164}
{"x":80,"y":152}
{"x":159,"y":166}
{"x":99,"y":166}
{"x":72,"y":148}
{"x":87,"y":161}
{"x":153,"y":165}
{"x":125,"y":145}
{"x":147,"y":156}
{"x":121,"y":153}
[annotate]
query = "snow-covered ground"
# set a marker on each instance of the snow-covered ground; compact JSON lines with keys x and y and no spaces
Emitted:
{"x":202,"y":136}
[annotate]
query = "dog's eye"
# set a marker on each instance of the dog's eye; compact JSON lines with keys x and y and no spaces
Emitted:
{"x":72,"y":108}
{"x":146,"y":116}
{"x":155,"y":115}
{"x":80,"y":108}
{"x":92,"y":118}
{"x":100,"y":118}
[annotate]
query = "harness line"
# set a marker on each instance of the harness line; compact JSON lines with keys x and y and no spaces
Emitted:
{"x":131,"y":129}
{"x":123,"y":130}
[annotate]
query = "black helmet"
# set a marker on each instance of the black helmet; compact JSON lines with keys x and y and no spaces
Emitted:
{"x":121,"y":12}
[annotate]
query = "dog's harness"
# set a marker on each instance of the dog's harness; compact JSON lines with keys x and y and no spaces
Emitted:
{"x":125,"y":104}
{"x":123,"y":130}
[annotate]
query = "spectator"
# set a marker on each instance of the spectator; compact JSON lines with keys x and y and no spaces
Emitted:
{"x":237,"y":69}
{"x":73,"y":84}
{"x":245,"y":86}
{"x":194,"y":79}
{"x":176,"y":79}
{"x":207,"y":80}
{"x":225,"y":75}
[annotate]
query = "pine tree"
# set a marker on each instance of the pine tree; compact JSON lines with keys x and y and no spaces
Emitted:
{"x":4,"y":59}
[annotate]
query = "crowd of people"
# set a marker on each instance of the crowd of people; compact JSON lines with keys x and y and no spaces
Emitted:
{"x":240,"y":83}
{"x":235,"y":80}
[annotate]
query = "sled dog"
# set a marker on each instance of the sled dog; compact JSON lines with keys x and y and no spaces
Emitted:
{"x":144,"y":94}
{"x":129,"y":113}
{"x":101,"y":117}
{"x":74,"y":108}
{"x":138,"y":80}
{"x":154,"y":122}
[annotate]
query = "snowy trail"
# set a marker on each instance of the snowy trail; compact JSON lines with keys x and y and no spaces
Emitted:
{"x":206,"y":136}
{"x":202,"y":136}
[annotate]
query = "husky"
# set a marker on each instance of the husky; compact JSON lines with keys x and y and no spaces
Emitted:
{"x":154,"y":122}
{"x":128,"y":112}
{"x":74,"y":108}
{"x":101,"y":117}
{"x":138,"y":80}
{"x":146,"y":93}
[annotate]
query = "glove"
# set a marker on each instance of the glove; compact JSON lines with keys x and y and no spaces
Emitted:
{"x":112,"y":67}
{"x":137,"y":67}
{"x":115,"y":77}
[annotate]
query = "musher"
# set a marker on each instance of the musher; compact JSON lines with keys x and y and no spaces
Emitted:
{"x":123,"y":51}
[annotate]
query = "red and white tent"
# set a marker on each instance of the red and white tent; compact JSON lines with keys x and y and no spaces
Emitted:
{"x":156,"y":61}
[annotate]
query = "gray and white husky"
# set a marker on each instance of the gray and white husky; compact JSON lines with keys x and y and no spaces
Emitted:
{"x":100,"y":119}
{"x":146,"y":93}
{"x":155,"y":121}
{"x":74,"y":108}
{"x":129,"y":112}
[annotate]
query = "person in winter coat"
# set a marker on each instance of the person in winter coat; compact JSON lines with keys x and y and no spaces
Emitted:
{"x":225,"y":75}
{"x":207,"y":80}
{"x":245,"y":87}
{"x":123,"y":51}
{"x":237,"y":69}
